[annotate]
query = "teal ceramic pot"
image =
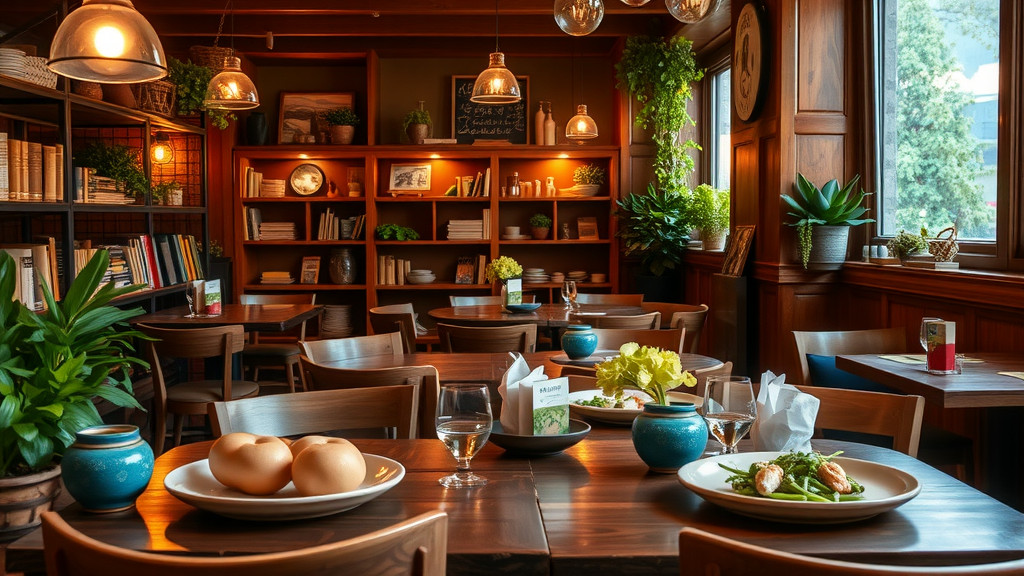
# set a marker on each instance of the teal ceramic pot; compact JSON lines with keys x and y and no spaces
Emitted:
{"x":668,"y":437}
{"x":107,"y":467}
{"x":579,"y":341}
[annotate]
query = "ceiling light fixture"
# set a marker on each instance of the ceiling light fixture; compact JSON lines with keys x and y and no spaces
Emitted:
{"x":581,"y":126}
{"x":107,"y":41}
{"x":231,"y":89}
{"x":578,"y":17}
{"x":162,"y":151}
{"x":691,"y":11}
{"x":496,"y":84}
{"x":635,"y":3}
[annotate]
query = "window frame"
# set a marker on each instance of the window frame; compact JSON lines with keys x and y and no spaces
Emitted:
{"x":721,"y":60}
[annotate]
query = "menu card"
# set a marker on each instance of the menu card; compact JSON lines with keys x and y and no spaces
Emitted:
{"x":532,"y":404}
{"x":514,"y":290}
{"x":213,"y":297}
{"x":941,"y":346}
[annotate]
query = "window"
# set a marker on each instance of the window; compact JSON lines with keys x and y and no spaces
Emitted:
{"x":937,"y":65}
{"x":721,"y":116}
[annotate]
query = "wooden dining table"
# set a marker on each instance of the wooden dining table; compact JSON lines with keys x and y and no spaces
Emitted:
{"x":595,"y":508}
{"x":546,"y":316}
{"x":252,"y":317}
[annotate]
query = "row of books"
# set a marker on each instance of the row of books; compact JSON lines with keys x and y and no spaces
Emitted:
{"x":392,"y":271}
{"x":30,"y":170}
{"x":332,"y":227}
{"x":474,"y":186}
{"x":34,"y":264}
{"x":254,"y":186}
{"x":93,"y":189}
{"x":158,"y":261}
{"x":471,"y":229}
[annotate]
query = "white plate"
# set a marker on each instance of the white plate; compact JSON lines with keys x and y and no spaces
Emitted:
{"x":885,"y":488}
{"x":194,"y":484}
{"x":606,"y":415}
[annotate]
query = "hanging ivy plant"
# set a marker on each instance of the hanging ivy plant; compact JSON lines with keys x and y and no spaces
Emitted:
{"x":191,"y":81}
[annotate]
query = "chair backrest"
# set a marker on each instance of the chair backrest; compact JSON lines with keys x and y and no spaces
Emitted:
{"x":878,"y":341}
{"x":485,"y":300}
{"x":667,"y":309}
{"x":512,"y":338}
{"x":325,"y":378}
{"x":386,"y":319}
{"x":613,"y":338}
{"x":702,"y":378}
{"x":418,"y":545}
{"x":322,"y":411}
{"x":702,"y":553}
{"x":649,"y":321}
{"x":336,"y":349}
{"x":896,"y":415}
{"x":621,"y":299}
{"x":694,"y":324}
{"x":251,"y":299}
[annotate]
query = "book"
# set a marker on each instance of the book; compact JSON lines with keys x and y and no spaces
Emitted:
{"x":5,"y":185}
{"x":59,"y":160}
{"x":440,"y":141}
{"x":35,"y":169}
{"x":212,"y":297}
{"x":14,"y":167}
{"x":587,"y":228}
{"x":481,"y":269}
{"x":49,"y":173}
{"x":310,"y":270}
{"x":487,"y":183}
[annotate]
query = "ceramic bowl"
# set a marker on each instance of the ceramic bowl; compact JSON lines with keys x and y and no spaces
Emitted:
{"x":539,"y":445}
{"x":420,"y":278}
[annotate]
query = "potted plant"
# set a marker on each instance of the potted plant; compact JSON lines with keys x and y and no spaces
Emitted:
{"x":708,"y":213}
{"x":502,"y":269}
{"x":653,"y":227}
{"x":190,"y":81}
{"x":167,"y":193}
{"x":416,"y":124}
{"x":396,"y":232}
{"x":119,"y":162}
{"x":52,"y":365}
{"x":343,"y":123}
{"x":588,"y":179}
{"x":824,"y":218}
{"x":541,"y":225}
{"x":905,"y":244}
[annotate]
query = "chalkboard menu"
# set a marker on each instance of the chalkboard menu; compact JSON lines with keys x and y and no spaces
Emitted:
{"x":472,"y":121}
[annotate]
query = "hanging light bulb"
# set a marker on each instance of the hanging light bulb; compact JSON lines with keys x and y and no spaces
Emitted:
{"x":635,"y":3}
{"x":581,"y":126}
{"x":162,"y":152}
{"x":107,"y":41}
{"x":231,"y":89}
{"x":691,"y":11}
{"x":578,"y":17}
{"x":497,"y":84}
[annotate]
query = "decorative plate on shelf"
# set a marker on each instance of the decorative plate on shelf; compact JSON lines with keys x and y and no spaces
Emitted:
{"x":306,"y":179}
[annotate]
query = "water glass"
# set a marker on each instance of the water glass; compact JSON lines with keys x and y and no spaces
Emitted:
{"x":463,"y":424}
{"x":569,"y":294}
{"x":729,"y":409}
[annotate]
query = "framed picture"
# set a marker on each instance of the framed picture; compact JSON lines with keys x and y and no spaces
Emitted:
{"x":301,"y":114}
{"x":748,"y":61}
{"x":410,"y":177}
{"x":736,"y":250}
{"x":310,"y":270}
{"x":587,"y":228}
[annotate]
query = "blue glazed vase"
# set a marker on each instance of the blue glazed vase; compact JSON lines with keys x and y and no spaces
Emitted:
{"x":668,"y":437}
{"x":107,"y":467}
{"x":579,"y":341}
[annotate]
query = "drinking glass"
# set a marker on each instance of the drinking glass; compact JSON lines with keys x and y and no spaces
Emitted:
{"x":193,"y":293}
{"x":924,"y":331}
{"x":569,"y":294}
{"x":463,"y":424}
{"x":729,"y":409}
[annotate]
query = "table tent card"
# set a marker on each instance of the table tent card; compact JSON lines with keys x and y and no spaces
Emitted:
{"x":514,"y":289}
{"x":533,"y":405}
{"x":212,"y":297}
{"x":785,"y":416}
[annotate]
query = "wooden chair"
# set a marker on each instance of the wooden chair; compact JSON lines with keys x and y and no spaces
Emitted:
{"x":667,"y":309}
{"x":485,"y":300}
{"x":613,"y":338}
{"x":693,"y":321}
{"x":651,"y":321}
{"x":322,"y":411}
{"x":702,"y":378}
{"x":619,"y":299}
{"x":386,"y":319}
{"x":893,"y":415}
{"x":513,"y":338}
{"x":189,"y":398}
{"x":418,"y":545}
{"x":284,"y":355}
{"x":702,"y":553}
{"x":324,"y":378}
{"x":335,"y":349}
{"x":879,"y":341}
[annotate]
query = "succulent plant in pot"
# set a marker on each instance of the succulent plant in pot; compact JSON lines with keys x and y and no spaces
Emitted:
{"x":708,"y":214}
{"x":540,"y":226}
{"x":343,"y":123}
{"x":824,"y":217}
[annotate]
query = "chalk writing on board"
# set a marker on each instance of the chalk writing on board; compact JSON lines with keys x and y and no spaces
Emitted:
{"x":471,"y":121}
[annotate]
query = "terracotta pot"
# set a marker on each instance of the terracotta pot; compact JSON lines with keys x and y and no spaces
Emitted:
{"x":540,"y":233}
{"x":23,"y":499}
{"x":342,"y":134}
{"x":417,"y":132}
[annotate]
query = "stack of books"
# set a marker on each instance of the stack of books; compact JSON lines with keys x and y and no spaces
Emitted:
{"x":272,"y":189}
{"x":276,"y":278}
{"x":278,"y":231}
{"x":465,"y":229}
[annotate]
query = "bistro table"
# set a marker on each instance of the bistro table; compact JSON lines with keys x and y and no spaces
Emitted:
{"x":252,"y":317}
{"x":546,"y":316}
{"x":592,"y":509}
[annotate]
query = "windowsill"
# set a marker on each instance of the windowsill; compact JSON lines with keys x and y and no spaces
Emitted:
{"x":1002,"y":289}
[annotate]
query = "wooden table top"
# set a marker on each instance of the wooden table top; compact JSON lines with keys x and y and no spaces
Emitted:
{"x":548,"y":315}
{"x":594,"y":507}
{"x":979,"y":386}
{"x":257,"y":317}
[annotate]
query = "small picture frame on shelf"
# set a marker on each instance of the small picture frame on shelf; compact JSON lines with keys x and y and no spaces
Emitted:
{"x":302,"y":115}
{"x":587,"y":228}
{"x":310,"y":270}
{"x":410,"y":177}
{"x":736,"y":248}
{"x":465,"y":270}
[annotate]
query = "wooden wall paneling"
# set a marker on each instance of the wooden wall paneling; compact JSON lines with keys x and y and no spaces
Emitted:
{"x":996,"y":331}
{"x":865,"y":310}
{"x":821,"y":157}
{"x":822,"y":55}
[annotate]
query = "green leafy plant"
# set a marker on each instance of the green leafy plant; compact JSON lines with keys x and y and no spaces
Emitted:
{"x":341,"y":117}
{"x":708,"y":210}
{"x":652,"y":227}
{"x":829,"y":206}
{"x":904,"y":243}
{"x":540,"y":221}
{"x":53,"y":364}
{"x":415,"y":117}
{"x":120,"y":162}
{"x":160,"y":191}
{"x":396,"y":232}
{"x":191,"y":81}
{"x":502,"y":268}
{"x":589,"y":174}
{"x":659,"y":73}
{"x":649,"y":369}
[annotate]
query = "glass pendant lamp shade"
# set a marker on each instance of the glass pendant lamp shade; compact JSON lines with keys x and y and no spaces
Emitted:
{"x":231,"y":89}
{"x":578,"y":17}
{"x":690,"y":11}
{"x":581,"y":126}
{"x":635,"y":3}
{"x":496,"y":84}
{"x":107,"y":41}
{"x":161,"y":152}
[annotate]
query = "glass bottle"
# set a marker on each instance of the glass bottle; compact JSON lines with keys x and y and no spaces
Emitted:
{"x":538,"y":125}
{"x":549,"y":128}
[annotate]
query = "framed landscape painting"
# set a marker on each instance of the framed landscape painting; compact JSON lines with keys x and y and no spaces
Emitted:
{"x":301,"y":113}
{"x":410,"y":177}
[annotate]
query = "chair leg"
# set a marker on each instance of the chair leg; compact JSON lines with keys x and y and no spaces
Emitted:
{"x":302,"y":377}
{"x":159,"y":432}
{"x":179,"y":424}
{"x":289,"y":376}
{"x":255,"y":374}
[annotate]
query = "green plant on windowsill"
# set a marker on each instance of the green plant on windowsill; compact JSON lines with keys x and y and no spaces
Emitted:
{"x":342,"y":117}
{"x":829,"y":206}
{"x":396,"y":232}
{"x":190,"y":81}
{"x":905,"y":244}
{"x":708,"y":211}
{"x":540,"y":221}
{"x":119,"y":162}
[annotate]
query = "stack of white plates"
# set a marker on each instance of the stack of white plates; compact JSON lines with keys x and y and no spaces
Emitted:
{"x":337,"y":321}
{"x":535,"y":276}
{"x":420,"y":277}
{"x":578,"y":275}
{"x":12,"y":63}
{"x":36,"y":72}
{"x":557,"y":277}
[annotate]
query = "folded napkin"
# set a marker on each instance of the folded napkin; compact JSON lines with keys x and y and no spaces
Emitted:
{"x":1019,"y":375}
{"x":517,"y":416}
{"x":785,"y":416}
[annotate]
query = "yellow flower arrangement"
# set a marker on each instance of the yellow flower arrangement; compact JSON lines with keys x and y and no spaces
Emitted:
{"x":503,"y":268}
{"x":649,"y":369}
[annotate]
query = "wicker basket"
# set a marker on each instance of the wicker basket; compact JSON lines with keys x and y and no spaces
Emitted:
{"x":156,"y":97}
{"x":944,"y":249}
{"x":210,"y":56}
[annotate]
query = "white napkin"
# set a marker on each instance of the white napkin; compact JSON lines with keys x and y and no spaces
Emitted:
{"x":517,"y":377}
{"x":785,"y":416}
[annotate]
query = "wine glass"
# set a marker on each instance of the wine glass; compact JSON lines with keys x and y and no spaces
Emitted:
{"x":924,"y":331}
{"x":569,"y":294}
{"x":463,"y":424}
{"x":729,"y":409}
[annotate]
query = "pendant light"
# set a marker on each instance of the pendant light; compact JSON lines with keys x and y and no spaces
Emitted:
{"x":107,"y":41}
{"x":231,"y":89}
{"x":578,"y":17}
{"x":581,"y":126}
{"x":496,"y":84}
{"x":635,"y":3}
{"x":161,"y":152}
{"x":691,"y":11}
